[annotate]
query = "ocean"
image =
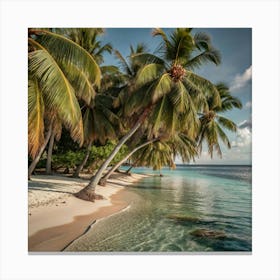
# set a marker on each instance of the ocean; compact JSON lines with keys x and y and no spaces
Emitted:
{"x":194,"y":208}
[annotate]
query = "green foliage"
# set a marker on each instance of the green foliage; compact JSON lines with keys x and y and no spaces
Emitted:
{"x":36,"y":110}
{"x":60,"y":72}
{"x":212,"y":124}
{"x":67,"y":160}
{"x":98,"y":104}
{"x":101,"y":153}
{"x":63,"y":158}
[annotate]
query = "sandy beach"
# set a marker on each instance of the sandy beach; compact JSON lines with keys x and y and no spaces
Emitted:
{"x":56,"y":217}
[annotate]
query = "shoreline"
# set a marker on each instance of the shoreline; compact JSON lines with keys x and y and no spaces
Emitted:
{"x":56,"y":218}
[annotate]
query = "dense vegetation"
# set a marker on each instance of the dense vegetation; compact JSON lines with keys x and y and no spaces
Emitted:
{"x":83,"y":115}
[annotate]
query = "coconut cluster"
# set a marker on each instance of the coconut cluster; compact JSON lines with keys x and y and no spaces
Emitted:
{"x":210,"y":115}
{"x":177,"y":73}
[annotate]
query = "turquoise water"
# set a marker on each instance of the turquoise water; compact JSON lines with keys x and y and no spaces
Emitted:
{"x":167,"y":211}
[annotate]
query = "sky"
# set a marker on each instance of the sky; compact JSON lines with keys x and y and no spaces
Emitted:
{"x":235,"y":46}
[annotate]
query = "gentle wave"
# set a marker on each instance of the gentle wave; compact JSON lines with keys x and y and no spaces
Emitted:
{"x":166,"y":211}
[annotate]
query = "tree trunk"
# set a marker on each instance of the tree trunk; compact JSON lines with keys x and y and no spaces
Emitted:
{"x":49,"y":156}
{"x":132,"y":166}
{"x":82,"y":164}
{"x":104,"y":179}
{"x":128,"y":170}
{"x":37,"y":158}
{"x":88,"y":193}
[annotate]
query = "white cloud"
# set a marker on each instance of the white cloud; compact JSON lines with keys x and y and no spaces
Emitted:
{"x":240,"y":153}
{"x":248,"y":104}
{"x":243,"y":138}
{"x":241,"y":80}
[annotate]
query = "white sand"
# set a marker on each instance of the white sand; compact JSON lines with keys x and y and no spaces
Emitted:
{"x":51,"y":201}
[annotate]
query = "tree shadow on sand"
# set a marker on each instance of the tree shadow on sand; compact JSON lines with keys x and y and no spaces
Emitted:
{"x":49,"y":187}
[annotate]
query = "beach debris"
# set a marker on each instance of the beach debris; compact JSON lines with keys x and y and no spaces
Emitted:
{"x":202,"y":232}
{"x":183,"y":218}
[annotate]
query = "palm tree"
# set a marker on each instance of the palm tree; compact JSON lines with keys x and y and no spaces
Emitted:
{"x":212,"y":123}
{"x":100,"y":119}
{"x":59,"y":69}
{"x":104,"y":179}
{"x":55,"y":135}
{"x":88,"y":39}
{"x":179,"y":145}
{"x":164,"y":81}
{"x":100,"y":123}
{"x":157,"y":155}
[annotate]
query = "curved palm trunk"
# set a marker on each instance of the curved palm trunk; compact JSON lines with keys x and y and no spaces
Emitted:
{"x":104,"y":179}
{"x":129,"y":169}
{"x":132,"y":166}
{"x":82,"y":164}
{"x":49,"y":156}
{"x":88,"y":193}
{"x":37,"y":158}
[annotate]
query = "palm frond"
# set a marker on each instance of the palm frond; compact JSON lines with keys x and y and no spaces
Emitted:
{"x":89,"y":134}
{"x":103,"y":127}
{"x":35,"y":118}
{"x":124,"y":65}
{"x":227,"y":123}
{"x":211,"y":55}
{"x":228,"y":101}
{"x":146,"y":58}
{"x":58,"y":92}
{"x":206,"y":87}
{"x":183,"y":146}
{"x":160,"y":32}
{"x":147,"y":74}
{"x":84,"y":89}
{"x":212,"y":138}
{"x":223,"y":136}
{"x":180,"y":47}
{"x":122,"y":96}
{"x":98,"y":54}
{"x":162,"y":86}
{"x":67,"y":51}
{"x":157,"y":117}
{"x":135,"y":102}
{"x":202,"y":41}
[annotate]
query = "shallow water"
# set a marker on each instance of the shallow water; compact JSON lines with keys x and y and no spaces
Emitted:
{"x":165,"y":211}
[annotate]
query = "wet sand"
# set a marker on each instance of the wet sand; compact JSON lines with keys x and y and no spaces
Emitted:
{"x":56,"y":217}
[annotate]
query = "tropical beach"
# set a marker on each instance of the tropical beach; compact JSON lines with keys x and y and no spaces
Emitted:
{"x":56,"y":217}
{"x":143,"y":146}
{"x":60,"y":222}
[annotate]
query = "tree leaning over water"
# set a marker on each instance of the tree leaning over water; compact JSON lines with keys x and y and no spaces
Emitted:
{"x":60,"y":72}
{"x":100,"y":123}
{"x":166,"y":81}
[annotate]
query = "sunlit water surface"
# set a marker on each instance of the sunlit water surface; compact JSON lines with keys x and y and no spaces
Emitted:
{"x":212,"y":198}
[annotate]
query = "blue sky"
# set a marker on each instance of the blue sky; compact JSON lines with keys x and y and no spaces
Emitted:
{"x":235,"y":46}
